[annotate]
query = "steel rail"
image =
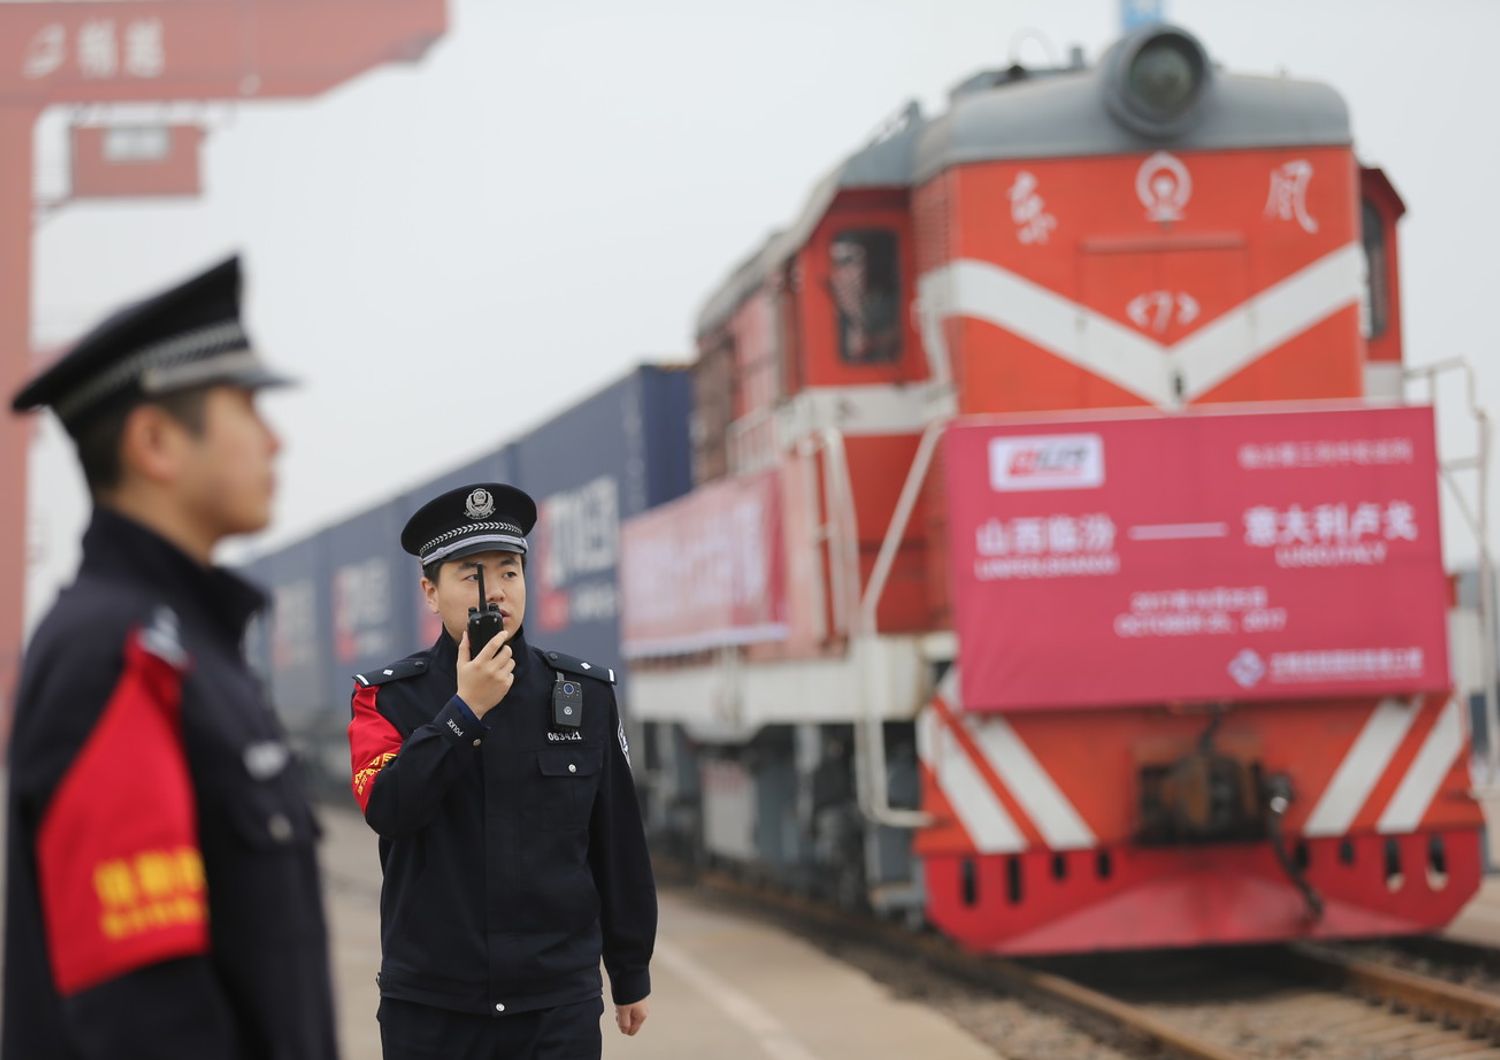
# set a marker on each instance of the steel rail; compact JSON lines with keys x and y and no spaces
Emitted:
{"x":1476,"y":1011}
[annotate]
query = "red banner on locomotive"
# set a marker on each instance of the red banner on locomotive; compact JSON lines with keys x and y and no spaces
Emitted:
{"x":1197,"y":558}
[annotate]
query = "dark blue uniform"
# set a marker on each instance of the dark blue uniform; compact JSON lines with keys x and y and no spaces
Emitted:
{"x":513,"y":853}
{"x":162,"y":885}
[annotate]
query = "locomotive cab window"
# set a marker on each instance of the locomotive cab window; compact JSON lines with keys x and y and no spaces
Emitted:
{"x":864,"y":281}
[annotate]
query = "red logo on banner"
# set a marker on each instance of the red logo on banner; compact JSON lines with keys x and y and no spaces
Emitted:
{"x":1261,"y":556}
{"x":1047,"y":462}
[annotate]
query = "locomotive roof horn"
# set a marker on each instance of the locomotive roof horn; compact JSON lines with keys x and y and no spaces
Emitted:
{"x":1155,"y":80}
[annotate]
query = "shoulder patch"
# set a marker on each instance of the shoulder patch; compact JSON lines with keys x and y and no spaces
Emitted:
{"x":571,"y":664}
{"x":396,"y":671}
{"x":163,"y":639}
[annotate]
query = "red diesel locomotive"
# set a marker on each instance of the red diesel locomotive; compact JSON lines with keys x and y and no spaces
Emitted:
{"x":1062,"y":562}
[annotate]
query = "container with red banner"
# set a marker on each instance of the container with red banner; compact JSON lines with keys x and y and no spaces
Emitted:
{"x":1196,"y":557}
{"x":706,"y":571}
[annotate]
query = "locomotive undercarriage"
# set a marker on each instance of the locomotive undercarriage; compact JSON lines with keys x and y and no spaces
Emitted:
{"x":782,"y":806}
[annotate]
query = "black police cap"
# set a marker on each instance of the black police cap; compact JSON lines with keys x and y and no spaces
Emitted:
{"x":484,"y":517}
{"x":188,"y":336}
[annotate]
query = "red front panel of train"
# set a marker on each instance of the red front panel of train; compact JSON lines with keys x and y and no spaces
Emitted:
{"x":1162,"y":279}
{"x":1198,"y":558}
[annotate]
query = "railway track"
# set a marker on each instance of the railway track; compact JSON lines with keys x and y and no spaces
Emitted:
{"x":1290,"y":1001}
{"x":1298,"y":1001}
{"x":1475,"y":1011}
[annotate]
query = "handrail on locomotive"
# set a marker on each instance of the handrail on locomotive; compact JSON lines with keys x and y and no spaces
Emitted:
{"x":869,"y":729}
{"x":853,"y":611}
{"x":1477,"y":518}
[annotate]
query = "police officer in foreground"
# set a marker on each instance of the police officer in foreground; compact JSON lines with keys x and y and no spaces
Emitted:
{"x":162,"y":891}
{"x":498,"y":778}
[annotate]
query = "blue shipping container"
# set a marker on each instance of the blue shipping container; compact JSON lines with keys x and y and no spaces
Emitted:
{"x":610,"y":457}
{"x":372,"y":621}
{"x":296,"y":580}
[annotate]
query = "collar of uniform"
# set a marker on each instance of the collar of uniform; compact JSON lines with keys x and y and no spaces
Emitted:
{"x":117,"y":544}
{"x":445,"y":650}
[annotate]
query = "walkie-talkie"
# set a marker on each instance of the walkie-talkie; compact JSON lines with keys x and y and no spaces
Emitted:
{"x":484,"y":621}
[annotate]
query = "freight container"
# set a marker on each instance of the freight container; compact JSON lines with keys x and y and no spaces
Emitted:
{"x":613,"y":455}
{"x":299,"y":628}
{"x":369,"y":595}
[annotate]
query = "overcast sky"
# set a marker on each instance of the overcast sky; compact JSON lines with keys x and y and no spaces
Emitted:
{"x":450,"y":252}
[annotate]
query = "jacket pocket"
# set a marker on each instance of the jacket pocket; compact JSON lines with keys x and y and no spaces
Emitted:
{"x":562,"y":793}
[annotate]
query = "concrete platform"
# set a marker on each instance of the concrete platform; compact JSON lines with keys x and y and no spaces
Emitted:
{"x":723,"y":987}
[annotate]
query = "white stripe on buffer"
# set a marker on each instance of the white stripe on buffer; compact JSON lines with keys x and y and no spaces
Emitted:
{"x":1023,"y":776}
{"x":1044,"y":802}
{"x":1362,"y":767}
{"x":977,"y":807}
{"x":1420,"y":785}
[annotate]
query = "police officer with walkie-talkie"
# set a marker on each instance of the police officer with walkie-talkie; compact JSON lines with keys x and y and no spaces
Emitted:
{"x":498,"y":778}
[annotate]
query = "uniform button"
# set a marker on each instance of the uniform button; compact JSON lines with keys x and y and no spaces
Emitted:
{"x":476,"y":743}
{"x":279,"y":827}
{"x":499,"y":1007}
{"x":572,"y":768}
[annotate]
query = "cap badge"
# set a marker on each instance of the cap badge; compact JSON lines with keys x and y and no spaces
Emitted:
{"x":480,"y":505}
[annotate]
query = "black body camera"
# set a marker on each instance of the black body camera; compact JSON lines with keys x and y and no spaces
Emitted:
{"x":484,"y":621}
{"x":567,"y":702}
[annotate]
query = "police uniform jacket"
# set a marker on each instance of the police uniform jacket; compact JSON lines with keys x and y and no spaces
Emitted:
{"x":513,"y":851}
{"x":162,"y":888}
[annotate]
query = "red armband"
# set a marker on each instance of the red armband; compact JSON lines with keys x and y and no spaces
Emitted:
{"x":119,"y":867}
{"x":373,"y":743}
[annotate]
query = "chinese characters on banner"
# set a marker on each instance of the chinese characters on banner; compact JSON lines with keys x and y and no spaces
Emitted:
{"x":98,"y":49}
{"x":708,"y":570}
{"x":154,"y":51}
{"x":1029,"y":210}
{"x":1197,"y":558}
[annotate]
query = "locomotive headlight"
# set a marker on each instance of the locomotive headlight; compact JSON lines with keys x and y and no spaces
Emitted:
{"x":1164,"y":76}
{"x":1154,"y":79}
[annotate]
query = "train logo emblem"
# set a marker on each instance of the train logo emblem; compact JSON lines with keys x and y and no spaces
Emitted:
{"x":1247,"y":668}
{"x":1164,"y":187}
{"x":480,"y":505}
